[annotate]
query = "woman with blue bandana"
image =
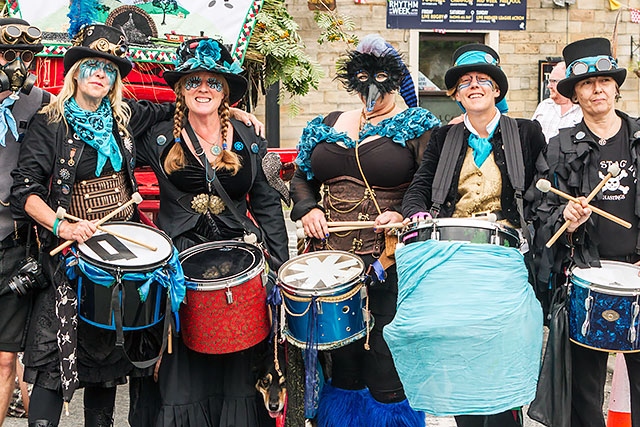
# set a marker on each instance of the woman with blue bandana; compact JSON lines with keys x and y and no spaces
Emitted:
{"x":199,"y":148}
{"x":578,"y":159}
{"x":497,"y":311}
{"x":79,"y":155}
{"x":364,"y":160}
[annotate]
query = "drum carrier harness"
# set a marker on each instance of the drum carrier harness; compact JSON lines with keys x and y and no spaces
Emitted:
{"x":454,"y":142}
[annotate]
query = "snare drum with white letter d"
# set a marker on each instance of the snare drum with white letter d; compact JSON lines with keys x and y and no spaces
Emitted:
{"x":324,"y":288}
{"x":604,"y":304}
{"x":108,"y":264}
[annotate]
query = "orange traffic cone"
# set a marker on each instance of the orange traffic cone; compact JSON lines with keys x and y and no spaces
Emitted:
{"x":619,"y":400}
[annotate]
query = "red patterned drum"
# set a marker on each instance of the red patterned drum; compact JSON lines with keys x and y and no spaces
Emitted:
{"x":226,"y":305}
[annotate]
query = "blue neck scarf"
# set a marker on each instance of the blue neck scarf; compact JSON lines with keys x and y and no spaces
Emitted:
{"x":481,"y":146}
{"x":96,"y":129}
{"x":7,"y":122}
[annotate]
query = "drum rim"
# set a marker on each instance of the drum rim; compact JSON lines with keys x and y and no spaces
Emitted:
{"x":605,"y":289}
{"x":321,"y":292}
{"x":125,"y":269}
{"x":229,"y":282}
{"x":477,"y":223}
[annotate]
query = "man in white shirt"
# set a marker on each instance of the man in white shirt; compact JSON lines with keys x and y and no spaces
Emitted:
{"x":556,"y":112}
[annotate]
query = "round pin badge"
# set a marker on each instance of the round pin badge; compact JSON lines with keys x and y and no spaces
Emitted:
{"x":580,"y":135}
{"x":161,"y":140}
{"x":255,"y":148}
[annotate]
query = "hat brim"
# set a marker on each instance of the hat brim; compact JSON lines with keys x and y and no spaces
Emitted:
{"x":77,"y":53}
{"x":453,"y":74}
{"x":35,"y":48}
{"x":237,"y":84}
{"x":566,"y":86}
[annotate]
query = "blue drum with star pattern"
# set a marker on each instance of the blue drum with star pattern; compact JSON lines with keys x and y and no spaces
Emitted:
{"x":604,"y":307}
{"x":324,"y":298}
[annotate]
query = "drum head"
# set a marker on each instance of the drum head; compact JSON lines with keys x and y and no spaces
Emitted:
{"x":111,"y":252}
{"x":615,"y":278}
{"x":218,"y":265}
{"x":320,"y":273}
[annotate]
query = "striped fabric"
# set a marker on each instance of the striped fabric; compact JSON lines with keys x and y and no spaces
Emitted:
{"x":95,"y":198}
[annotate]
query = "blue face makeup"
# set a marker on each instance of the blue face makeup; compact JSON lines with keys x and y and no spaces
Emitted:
{"x":466,"y":81}
{"x":194,"y":82}
{"x":92,"y":66}
{"x":214,"y":84}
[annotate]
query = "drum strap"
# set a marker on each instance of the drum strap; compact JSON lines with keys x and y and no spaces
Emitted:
{"x":444,"y":173}
{"x":116,"y":309}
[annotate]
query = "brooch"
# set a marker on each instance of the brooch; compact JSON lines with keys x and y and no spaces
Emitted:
{"x":207,"y":202}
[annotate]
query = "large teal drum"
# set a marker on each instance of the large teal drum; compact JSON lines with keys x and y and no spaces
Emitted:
{"x":324,"y":299}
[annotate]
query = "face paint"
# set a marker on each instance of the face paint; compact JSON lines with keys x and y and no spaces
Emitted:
{"x":193,"y":82}
{"x":214,"y":84}
{"x":92,"y":66}
{"x":466,"y":81}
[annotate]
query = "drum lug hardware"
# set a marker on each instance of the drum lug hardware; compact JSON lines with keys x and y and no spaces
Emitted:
{"x":495,"y":238}
{"x":229,"y":295}
{"x":435,"y":234}
{"x":318,"y":306}
{"x":635,"y":308}
{"x":587,"y":306}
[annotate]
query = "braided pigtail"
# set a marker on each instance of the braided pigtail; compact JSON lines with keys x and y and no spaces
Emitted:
{"x":175,"y":157}
{"x":228,"y":160}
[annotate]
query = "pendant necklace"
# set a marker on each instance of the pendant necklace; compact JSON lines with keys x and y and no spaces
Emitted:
{"x":364,"y":119}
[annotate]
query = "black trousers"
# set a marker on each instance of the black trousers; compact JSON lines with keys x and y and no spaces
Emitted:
{"x":508,"y":418}
{"x":589,"y":368}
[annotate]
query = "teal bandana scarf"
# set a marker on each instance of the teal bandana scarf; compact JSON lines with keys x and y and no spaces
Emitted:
{"x":96,"y":129}
{"x":7,"y":122}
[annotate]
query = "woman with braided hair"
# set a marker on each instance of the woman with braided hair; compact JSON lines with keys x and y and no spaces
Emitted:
{"x":197,"y":157}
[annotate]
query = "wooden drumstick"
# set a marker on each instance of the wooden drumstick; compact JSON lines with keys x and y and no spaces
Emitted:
{"x":300,"y":234}
{"x":135,"y":198}
{"x":545,"y":186}
{"x":613,"y":170}
{"x":61,"y":213}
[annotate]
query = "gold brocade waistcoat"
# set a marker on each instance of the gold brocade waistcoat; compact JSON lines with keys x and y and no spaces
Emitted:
{"x":348,"y":199}
{"x":479,"y":187}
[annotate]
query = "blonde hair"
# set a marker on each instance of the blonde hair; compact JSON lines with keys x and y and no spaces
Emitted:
{"x":121,"y":111}
{"x":176,"y":159}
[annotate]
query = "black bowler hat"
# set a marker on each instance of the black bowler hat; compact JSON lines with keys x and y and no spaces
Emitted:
{"x":589,"y":58}
{"x":99,"y":41}
{"x":480,"y":58}
{"x":19,"y":35}
{"x":207,"y":54}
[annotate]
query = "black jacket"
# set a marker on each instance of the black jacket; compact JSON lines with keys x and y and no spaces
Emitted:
{"x":418,"y":195}
{"x":264,"y":201}
{"x":46,"y":150}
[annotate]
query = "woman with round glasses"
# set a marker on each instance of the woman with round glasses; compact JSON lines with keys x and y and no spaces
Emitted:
{"x":364,"y":160}
{"x":485,"y":314}
{"x":578,"y":159}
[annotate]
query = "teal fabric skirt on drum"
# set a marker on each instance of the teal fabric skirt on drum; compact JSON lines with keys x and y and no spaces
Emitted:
{"x":467,"y":335}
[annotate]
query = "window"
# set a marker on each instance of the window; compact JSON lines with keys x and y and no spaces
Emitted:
{"x":434,"y":53}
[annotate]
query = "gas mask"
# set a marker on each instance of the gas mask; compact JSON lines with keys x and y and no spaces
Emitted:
{"x":370,"y":76}
{"x":15,"y":75}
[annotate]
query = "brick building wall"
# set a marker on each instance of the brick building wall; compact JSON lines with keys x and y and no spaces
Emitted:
{"x":549,"y":29}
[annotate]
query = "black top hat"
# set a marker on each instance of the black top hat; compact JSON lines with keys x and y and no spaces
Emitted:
{"x":19,"y":35}
{"x":480,"y":58}
{"x":207,"y":54}
{"x":99,"y":41}
{"x":589,"y":58}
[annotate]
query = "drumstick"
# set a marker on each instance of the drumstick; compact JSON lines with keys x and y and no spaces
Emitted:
{"x":300,"y":234}
{"x":613,"y":170}
{"x":545,"y":186}
{"x":135,"y":198}
{"x":61,"y":213}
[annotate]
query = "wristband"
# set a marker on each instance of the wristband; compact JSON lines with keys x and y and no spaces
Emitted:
{"x":56,"y":226}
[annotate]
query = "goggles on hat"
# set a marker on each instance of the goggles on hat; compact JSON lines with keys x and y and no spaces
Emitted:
{"x":15,"y":33}
{"x":10,"y":55}
{"x":476,"y":57}
{"x":104,"y":45}
{"x":592,"y":64}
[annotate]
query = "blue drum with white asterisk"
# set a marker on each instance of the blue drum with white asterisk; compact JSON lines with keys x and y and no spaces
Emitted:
{"x":324,"y":299}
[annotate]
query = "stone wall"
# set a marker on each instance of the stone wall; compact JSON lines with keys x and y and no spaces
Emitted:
{"x":549,"y":29}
